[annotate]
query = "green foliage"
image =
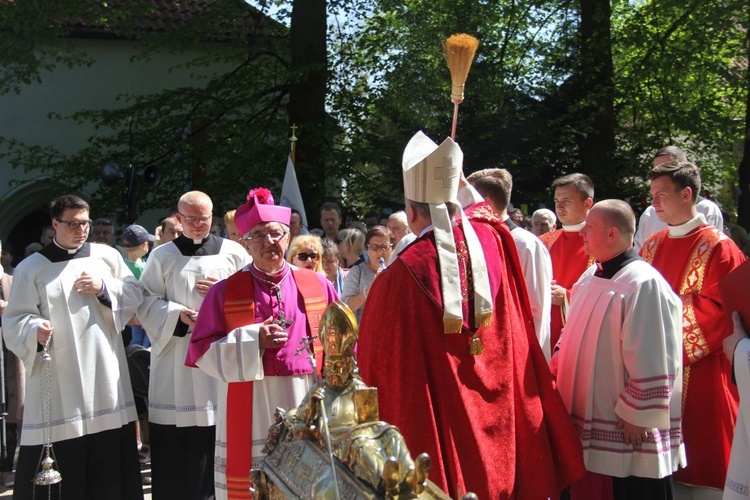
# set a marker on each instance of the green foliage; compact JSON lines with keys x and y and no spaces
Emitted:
{"x":678,"y":78}
{"x":223,"y":134}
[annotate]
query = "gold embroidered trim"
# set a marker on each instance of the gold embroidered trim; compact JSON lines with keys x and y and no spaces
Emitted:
{"x":549,"y":241}
{"x":486,"y":213}
{"x":685,"y":380}
{"x":649,"y":248}
{"x":694,"y":341}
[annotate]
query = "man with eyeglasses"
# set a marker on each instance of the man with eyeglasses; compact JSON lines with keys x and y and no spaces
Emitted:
{"x":74,"y":298}
{"x":182,"y":402}
{"x":249,"y":330}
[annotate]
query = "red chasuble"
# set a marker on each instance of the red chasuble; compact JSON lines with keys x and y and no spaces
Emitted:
{"x":493,"y":423}
{"x":569,"y":261}
{"x":693,"y":265}
{"x":239,"y":310}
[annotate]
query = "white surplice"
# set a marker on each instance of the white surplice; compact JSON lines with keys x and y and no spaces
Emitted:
{"x":90,"y":385}
{"x":621,"y":358}
{"x":179,"y":395}
{"x":738,"y":477}
{"x":536,"y":266}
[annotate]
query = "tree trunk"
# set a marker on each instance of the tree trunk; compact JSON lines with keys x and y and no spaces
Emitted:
{"x":595,"y":73}
{"x":307,"y":98}
{"x":743,"y":171}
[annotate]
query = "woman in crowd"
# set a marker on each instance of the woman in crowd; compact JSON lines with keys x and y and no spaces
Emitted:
{"x":351,"y":247}
{"x":379,"y":245}
{"x":306,"y":251}
{"x":333,"y":271}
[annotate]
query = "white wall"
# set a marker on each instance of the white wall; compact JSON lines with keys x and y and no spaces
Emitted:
{"x":24,"y":116}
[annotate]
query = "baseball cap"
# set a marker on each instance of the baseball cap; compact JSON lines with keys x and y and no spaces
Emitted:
{"x":135,"y":235}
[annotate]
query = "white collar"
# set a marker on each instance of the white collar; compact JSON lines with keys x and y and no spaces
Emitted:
{"x":70,"y":252}
{"x":431,"y":227}
{"x":683,"y":229}
{"x":426,"y":230}
{"x":573,"y":228}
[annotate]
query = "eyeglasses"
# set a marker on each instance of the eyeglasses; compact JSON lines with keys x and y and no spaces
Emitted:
{"x":261,"y":237}
{"x":74,"y":224}
{"x":302,"y":256}
{"x":195,"y":220}
{"x":382,"y":248}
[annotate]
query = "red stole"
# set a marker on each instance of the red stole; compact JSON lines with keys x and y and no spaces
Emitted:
{"x":239,"y":310}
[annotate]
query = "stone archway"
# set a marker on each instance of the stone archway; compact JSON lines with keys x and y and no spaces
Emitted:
{"x":25,"y":212}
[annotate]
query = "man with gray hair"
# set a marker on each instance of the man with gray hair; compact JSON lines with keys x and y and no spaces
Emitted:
{"x":399,"y":226}
{"x":619,"y":364}
{"x":543,"y":221}
{"x":182,"y":401}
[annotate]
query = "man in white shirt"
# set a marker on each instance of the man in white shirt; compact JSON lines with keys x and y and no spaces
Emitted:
{"x":619,"y":364}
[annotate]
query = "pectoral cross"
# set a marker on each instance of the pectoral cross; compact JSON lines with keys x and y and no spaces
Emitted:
{"x":282,"y":320}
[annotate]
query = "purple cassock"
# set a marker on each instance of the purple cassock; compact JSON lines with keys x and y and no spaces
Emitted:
{"x":276,"y":362}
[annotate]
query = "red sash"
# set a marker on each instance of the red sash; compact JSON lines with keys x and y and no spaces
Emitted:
{"x":239,"y":310}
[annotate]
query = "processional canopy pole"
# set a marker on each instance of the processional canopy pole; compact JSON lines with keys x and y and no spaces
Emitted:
{"x":47,"y":475}
{"x":459,"y":53}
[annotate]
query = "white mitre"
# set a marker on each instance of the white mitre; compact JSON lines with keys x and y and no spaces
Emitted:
{"x":431,"y":174}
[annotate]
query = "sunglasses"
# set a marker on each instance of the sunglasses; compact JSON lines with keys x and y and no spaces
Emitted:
{"x":302,"y":256}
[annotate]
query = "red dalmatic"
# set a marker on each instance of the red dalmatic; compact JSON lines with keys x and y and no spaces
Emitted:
{"x":693,"y":265}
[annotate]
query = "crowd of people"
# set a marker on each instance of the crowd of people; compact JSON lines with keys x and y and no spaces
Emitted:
{"x":571,"y":354}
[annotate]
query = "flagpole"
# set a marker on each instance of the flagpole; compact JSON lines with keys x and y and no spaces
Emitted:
{"x":293,"y":140}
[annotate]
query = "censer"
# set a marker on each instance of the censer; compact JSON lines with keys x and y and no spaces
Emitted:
{"x":47,"y":475}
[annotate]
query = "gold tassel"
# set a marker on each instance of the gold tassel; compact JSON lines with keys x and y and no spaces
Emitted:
{"x":483,"y":319}
{"x":452,"y":325}
{"x":475,"y":346}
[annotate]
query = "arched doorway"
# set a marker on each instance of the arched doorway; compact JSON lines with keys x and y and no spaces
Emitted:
{"x":25,"y":212}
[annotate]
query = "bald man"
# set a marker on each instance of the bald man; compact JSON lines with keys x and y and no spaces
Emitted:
{"x":182,"y":402}
{"x":619,"y":364}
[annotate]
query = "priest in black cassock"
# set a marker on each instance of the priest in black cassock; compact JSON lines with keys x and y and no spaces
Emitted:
{"x":75,"y":297}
